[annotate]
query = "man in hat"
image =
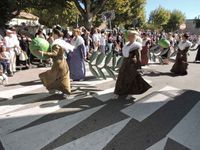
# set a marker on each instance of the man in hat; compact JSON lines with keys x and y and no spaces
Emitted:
{"x":12,"y":44}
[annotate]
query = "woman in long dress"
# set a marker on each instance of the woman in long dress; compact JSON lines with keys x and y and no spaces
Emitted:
{"x":197,"y":58}
{"x":145,"y":49}
{"x":58,"y":77}
{"x":129,"y":80}
{"x":77,"y":57}
{"x":180,"y":66}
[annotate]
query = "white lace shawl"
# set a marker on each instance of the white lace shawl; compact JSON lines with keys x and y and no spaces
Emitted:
{"x":131,"y":47}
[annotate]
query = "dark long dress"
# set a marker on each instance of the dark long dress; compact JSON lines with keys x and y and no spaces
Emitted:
{"x":144,"y":53}
{"x":180,"y":66}
{"x":129,"y":80}
{"x":198,"y":54}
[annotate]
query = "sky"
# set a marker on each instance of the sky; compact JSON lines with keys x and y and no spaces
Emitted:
{"x":191,"y":8}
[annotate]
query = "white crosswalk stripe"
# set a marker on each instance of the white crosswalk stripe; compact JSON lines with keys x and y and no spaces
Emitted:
{"x":38,"y":136}
{"x":12,"y":121}
{"x":11,"y":105}
{"x":19,"y":112}
{"x":144,"y":108}
{"x":8,"y":94}
{"x":96,"y":140}
{"x":186,"y":132}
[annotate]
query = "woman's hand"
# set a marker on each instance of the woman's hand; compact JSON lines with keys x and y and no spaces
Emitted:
{"x":38,"y":52}
{"x":134,"y":59}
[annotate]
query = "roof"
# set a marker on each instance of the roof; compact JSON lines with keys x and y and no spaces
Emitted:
{"x":25,"y":15}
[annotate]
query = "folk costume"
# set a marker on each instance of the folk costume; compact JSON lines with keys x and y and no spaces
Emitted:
{"x":58,"y":78}
{"x":76,"y":59}
{"x":180,"y":66}
{"x":129,"y":80}
{"x":145,"y":50}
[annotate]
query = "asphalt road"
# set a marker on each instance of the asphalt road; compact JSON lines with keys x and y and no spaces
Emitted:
{"x":166,"y":117}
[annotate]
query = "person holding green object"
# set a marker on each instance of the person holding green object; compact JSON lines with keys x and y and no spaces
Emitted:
{"x":58,"y":77}
{"x":39,"y":43}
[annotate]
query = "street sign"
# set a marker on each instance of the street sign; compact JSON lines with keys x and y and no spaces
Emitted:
{"x":108,"y":15}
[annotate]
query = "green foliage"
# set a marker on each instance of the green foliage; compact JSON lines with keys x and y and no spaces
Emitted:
{"x":89,"y":9}
{"x":159,"y":17}
{"x":138,"y":11}
{"x":176,"y":19}
{"x":45,"y":9}
{"x":126,"y":11}
{"x":65,"y":14}
{"x":109,"y":62}
{"x":7,"y":7}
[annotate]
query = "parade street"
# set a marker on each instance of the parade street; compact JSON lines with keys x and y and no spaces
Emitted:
{"x":166,"y":117}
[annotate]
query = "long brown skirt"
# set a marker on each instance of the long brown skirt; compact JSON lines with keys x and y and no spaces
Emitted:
{"x":57,"y":78}
{"x":129,"y":81}
{"x":144,"y":55}
{"x":180,"y":66}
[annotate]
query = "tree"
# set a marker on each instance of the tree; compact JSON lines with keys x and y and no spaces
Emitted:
{"x":138,"y":11}
{"x":7,"y":7}
{"x":63,"y":11}
{"x":159,"y":17}
{"x":64,"y":15}
{"x":125,"y":12}
{"x":11,"y":8}
{"x":121,"y":9}
{"x":176,"y":19}
{"x":89,"y":9}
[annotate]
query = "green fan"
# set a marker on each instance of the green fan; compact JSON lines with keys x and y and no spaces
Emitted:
{"x":39,"y":44}
{"x":164,"y":43}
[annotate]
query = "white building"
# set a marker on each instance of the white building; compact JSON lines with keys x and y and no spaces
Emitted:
{"x":24,"y":19}
{"x":190,"y":27}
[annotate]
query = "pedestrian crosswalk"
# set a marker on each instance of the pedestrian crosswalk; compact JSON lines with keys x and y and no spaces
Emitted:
{"x":95,"y":121}
{"x":147,"y":106}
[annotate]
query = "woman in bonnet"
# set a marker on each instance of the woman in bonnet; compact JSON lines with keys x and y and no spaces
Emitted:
{"x":180,"y":66}
{"x":77,"y":57}
{"x":129,"y":80}
{"x":57,"y":79}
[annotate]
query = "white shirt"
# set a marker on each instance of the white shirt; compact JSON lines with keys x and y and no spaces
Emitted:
{"x":9,"y":42}
{"x":7,"y":55}
{"x":183,"y":44}
{"x":103,"y":39}
{"x":77,"y":41}
{"x":130,"y":47}
{"x":96,"y":38}
{"x":66,"y":46}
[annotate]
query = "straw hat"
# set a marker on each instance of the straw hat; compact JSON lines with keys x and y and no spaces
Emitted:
{"x":133,"y":32}
{"x":9,"y":31}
